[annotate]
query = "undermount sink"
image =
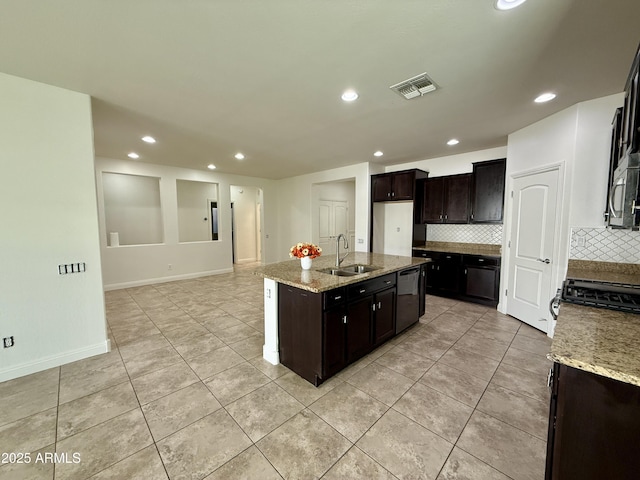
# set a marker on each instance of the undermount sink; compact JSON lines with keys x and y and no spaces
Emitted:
{"x":349,"y":270}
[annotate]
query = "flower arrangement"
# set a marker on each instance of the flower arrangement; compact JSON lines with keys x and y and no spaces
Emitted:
{"x":301,"y":250}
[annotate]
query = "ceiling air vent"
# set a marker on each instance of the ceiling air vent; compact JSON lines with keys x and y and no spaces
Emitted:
{"x":414,"y":87}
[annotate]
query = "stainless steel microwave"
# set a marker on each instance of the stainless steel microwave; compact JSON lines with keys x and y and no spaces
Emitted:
{"x":624,"y":202}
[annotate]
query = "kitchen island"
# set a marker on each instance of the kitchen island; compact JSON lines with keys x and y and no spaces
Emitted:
{"x":594,"y":421}
{"x":317,"y":323}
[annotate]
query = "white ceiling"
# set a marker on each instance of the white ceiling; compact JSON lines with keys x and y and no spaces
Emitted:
{"x":209,"y":78}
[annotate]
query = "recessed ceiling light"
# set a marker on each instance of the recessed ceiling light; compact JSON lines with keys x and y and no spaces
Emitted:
{"x":508,"y":4}
{"x":211,"y":166}
{"x":133,"y":155}
{"x":453,"y":141}
{"x":545,"y":97}
{"x":239,"y":156}
{"x":378,"y":154}
{"x":148,"y":139}
{"x":349,"y":95}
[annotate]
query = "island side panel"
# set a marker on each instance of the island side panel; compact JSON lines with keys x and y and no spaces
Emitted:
{"x":271,"y":348}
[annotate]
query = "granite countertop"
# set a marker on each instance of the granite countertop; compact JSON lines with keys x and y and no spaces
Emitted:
{"x":290,"y":273}
{"x":598,"y":340}
{"x":484,"y":249}
{"x":628,"y":273}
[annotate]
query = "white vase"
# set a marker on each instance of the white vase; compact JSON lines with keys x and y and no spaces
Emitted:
{"x":305,"y":263}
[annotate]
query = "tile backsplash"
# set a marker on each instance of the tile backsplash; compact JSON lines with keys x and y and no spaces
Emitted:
{"x":487,"y":234}
{"x":605,"y":245}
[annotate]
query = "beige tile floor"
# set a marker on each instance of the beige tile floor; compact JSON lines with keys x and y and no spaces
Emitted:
{"x":185,"y":394}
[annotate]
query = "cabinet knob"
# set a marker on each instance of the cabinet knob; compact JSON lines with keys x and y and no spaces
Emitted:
{"x":344,"y":319}
{"x":362,"y":290}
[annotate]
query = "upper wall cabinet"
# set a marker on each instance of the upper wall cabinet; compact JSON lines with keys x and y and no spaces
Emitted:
{"x":446,"y":199}
{"x":488,"y":191}
{"x":395,"y":186}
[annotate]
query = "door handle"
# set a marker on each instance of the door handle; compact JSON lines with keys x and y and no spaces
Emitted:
{"x":546,"y":260}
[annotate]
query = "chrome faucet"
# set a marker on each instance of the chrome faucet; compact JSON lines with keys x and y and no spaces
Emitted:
{"x":346,"y":246}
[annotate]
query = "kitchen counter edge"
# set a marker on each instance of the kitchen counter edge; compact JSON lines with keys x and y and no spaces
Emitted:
{"x":290,"y":273}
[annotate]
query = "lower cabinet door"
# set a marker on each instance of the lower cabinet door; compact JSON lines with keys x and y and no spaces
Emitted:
{"x":384,"y":324}
{"x":359,"y":338}
{"x":481,"y":282}
{"x":334,"y":341}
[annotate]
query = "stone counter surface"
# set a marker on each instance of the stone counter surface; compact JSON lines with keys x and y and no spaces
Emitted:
{"x":628,"y":273}
{"x":597,"y":340}
{"x":290,"y":273}
{"x":463,"y":248}
{"x":600,"y":341}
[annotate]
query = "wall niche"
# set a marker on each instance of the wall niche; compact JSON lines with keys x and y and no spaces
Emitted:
{"x":198,"y":217}
{"x":133,"y":213}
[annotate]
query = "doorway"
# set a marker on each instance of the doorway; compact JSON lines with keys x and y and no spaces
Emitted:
{"x":533,"y":246}
{"x":246,"y":224}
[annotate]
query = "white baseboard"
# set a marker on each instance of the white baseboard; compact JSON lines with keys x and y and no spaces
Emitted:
{"x":172,"y":278}
{"x":54,"y":361}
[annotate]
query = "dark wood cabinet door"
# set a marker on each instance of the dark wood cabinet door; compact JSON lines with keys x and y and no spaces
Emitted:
{"x":382,"y":187}
{"x":403,"y":185}
{"x":359,"y":328}
{"x":432,"y":200}
{"x":481,"y":282}
{"x":300,"y":331}
{"x":385,"y":307}
{"x":594,"y":427}
{"x":488,"y":191}
{"x":456,"y":198}
{"x":334,"y":341}
{"x":431,"y":279}
{"x":449,"y":273}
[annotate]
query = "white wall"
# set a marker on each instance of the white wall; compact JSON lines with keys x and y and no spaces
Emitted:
{"x":578,"y":140}
{"x":343,"y":191}
{"x":295,"y":206}
{"x":131,"y":265}
{"x":48,"y":212}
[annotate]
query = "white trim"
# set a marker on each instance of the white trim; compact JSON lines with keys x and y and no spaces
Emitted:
{"x":172,"y":278}
{"x":54,"y":361}
{"x":271,"y":347}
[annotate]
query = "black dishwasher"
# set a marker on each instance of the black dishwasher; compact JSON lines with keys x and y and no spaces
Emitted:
{"x":408,"y":298}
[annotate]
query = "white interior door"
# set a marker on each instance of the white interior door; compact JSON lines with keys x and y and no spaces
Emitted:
{"x":533,"y":220}
{"x":333,"y":216}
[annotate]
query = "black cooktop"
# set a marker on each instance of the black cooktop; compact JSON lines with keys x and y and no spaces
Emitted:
{"x":614,"y":296}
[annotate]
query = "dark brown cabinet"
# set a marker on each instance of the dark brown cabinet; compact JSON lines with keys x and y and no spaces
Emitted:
{"x":443,"y":273}
{"x":384,"y":307}
{"x":475,"y":278}
{"x":334,"y":340}
{"x":594,"y":427}
{"x":488,"y":191}
{"x":395,"y":186}
{"x":481,"y":278}
{"x":446,"y":199}
{"x":321,"y":333}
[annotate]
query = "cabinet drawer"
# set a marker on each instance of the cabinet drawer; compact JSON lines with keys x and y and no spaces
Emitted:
{"x":421,"y":253}
{"x":368,"y":287}
{"x":481,"y":261}
{"x":334,"y":297}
